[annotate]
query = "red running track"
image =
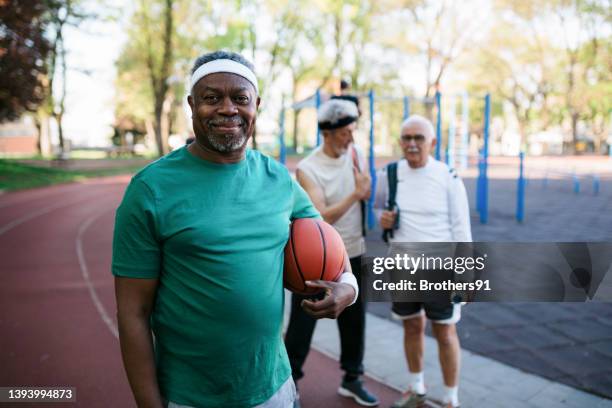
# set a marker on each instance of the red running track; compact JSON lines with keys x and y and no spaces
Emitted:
{"x":57,"y":306}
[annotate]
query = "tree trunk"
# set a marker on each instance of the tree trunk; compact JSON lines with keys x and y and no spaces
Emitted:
{"x":157,"y":127}
{"x":38,"y":134}
{"x":159,"y":78}
{"x":58,"y":113}
{"x":166,"y":124}
{"x":296,"y":129}
{"x":44,"y":137}
{"x":574,"y":118}
{"x":570,"y":99}
{"x":150,"y":137}
{"x":60,"y":133}
{"x":522,"y":132}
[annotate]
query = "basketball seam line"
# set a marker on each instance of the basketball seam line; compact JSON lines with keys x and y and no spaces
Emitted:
{"x":324,"y":250}
{"x":297,"y":264}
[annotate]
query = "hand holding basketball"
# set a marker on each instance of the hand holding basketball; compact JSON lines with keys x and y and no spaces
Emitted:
{"x":338,"y":297}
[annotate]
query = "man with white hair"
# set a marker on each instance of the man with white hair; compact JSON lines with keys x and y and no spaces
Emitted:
{"x":430,"y":206}
{"x":336,"y":178}
{"x":198,"y":259}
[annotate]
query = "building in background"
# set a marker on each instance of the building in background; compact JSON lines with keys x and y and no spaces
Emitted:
{"x":18,"y":137}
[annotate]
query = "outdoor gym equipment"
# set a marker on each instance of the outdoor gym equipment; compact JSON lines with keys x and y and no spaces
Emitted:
{"x":482,"y":185}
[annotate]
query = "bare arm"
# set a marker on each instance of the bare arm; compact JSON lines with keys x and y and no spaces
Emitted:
{"x":332,"y":213}
{"x":135,"y":299}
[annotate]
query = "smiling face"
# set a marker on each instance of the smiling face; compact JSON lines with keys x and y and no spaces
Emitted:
{"x":336,"y":142}
{"x":416,"y":141}
{"x":224,"y":112}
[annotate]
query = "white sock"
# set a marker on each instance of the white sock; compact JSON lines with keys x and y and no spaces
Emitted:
{"x":451,"y":394}
{"x":416,"y":382}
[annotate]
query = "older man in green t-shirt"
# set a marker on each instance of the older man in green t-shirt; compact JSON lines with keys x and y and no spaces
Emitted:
{"x":198,"y":258}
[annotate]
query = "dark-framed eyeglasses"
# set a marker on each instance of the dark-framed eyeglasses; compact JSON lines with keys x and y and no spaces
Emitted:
{"x":418,"y":139}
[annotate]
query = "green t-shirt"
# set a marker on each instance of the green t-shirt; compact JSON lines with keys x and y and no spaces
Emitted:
{"x":213,"y":234}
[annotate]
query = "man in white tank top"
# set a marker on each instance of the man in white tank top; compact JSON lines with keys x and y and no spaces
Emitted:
{"x":336,"y":178}
{"x":433,"y":207}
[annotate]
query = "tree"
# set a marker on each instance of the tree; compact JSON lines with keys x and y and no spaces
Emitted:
{"x":586,"y":17}
{"x":60,"y":13}
{"x":159,"y":63}
{"x":23,"y":51}
{"x":443,"y":30}
{"x":579,"y":26}
{"x":518,"y":68}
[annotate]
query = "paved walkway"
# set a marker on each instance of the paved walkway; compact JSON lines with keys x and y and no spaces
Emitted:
{"x":484,"y":382}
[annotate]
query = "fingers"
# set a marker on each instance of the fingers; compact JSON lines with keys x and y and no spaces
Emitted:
{"x":320,"y":308}
{"x":387,"y":219}
{"x":387,"y":216}
{"x":328,"y":307}
{"x":320,"y":284}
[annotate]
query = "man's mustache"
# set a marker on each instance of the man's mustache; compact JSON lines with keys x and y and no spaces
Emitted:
{"x":234,"y":121}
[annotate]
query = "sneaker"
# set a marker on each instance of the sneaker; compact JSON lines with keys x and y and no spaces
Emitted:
{"x":356,"y":391}
{"x":410,"y":400}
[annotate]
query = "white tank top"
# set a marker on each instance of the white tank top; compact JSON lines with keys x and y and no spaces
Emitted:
{"x":336,"y":179}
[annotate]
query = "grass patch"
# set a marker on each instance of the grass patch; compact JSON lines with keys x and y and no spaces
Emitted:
{"x":18,"y":176}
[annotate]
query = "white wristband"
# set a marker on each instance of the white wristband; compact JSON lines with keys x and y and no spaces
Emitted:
{"x":350,"y":279}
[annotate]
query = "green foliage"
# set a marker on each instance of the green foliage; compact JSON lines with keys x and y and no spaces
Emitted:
{"x":18,"y":176}
{"x":23,"y":51}
{"x":298,"y":47}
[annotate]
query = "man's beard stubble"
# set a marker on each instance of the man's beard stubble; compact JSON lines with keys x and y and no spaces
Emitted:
{"x":226,"y":143}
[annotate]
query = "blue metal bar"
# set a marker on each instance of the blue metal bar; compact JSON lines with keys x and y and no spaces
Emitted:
{"x":281,"y":137}
{"x":463,"y":155}
{"x":484,"y":213}
{"x":371,"y":218}
{"x":595,"y":184}
{"x":450,"y":146}
{"x":317,"y":104}
{"x":479,"y":180}
{"x":406,"y":107}
{"x":576,"y":183}
{"x":438,"y":124}
{"x":520,"y":197}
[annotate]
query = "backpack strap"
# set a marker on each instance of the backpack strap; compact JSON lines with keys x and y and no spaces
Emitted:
{"x":391,"y":204}
{"x":362,"y":204}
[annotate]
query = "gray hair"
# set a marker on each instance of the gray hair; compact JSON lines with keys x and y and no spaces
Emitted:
{"x":216,"y":55}
{"x":421,"y":121}
{"x":336,"y":113}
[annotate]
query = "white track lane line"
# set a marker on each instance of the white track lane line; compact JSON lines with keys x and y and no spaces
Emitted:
{"x":42,"y":211}
{"x":85,"y":272}
{"x":58,"y":190}
{"x":37,"y":195}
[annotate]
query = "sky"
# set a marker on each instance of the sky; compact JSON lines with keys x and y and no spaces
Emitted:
{"x":93,"y":47}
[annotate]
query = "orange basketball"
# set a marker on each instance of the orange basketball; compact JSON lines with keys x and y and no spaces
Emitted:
{"x":314,"y":251}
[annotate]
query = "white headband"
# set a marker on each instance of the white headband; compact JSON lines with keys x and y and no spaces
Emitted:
{"x":224,"y":65}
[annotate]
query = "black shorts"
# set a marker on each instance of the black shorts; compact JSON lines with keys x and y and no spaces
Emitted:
{"x":443,"y":313}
